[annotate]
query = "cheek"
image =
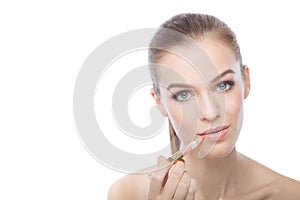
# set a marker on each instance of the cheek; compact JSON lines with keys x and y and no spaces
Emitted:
{"x":174,"y":114}
{"x":233,"y":106}
{"x":184,"y":120}
{"x":234,"y":109}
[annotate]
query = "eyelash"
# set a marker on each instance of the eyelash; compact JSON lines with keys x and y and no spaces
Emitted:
{"x":175,"y":96}
{"x":229,"y":83}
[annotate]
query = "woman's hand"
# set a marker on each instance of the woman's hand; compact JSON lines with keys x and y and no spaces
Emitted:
{"x":171,"y":183}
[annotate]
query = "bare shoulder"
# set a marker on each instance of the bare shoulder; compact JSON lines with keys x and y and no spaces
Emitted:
{"x":285,"y":188}
{"x":272,"y":184}
{"x":129,"y":187}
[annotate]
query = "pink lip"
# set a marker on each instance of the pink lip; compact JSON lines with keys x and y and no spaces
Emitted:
{"x":214,"y":134}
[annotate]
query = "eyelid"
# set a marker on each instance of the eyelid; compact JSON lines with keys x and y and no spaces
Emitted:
{"x":183,"y":90}
{"x":190,"y":90}
{"x":195,"y":92}
{"x":176,"y":94}
{"x":231,"y":83}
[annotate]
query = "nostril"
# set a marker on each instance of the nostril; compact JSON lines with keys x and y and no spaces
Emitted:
{"x":210,"y":116}
{"x":208,"y":108}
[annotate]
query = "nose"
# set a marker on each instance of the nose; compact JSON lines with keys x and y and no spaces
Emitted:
{"x":208,"y":108}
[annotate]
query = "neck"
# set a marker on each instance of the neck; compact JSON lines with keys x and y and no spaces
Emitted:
{"x":216,"y":177}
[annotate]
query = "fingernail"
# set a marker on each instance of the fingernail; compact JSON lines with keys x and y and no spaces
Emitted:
{"x":179,"y":167}
{"x":179,"y":160}
{"x":160,"y":159}
{"x":193,"y":182}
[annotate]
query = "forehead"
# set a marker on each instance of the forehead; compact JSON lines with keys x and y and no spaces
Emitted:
{"x":217,"y":58}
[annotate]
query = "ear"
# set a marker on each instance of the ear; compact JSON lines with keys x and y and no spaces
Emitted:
{"x":158,"y":103}
{"x":246,"y":78}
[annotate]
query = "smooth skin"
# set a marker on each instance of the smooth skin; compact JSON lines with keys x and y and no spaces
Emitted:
{"x":224,"y":174}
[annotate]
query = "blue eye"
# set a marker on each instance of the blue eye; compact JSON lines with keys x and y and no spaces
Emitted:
{"x":182,"y":95}
{"x":225,"y":86}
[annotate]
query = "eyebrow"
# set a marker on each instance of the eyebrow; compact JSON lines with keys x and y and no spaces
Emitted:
{"x":223,"y":74}
{"x":179,"y":85}
{"x":183,"y":85}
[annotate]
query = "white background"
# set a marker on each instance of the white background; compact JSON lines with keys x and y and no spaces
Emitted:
{"x":43,"y":45}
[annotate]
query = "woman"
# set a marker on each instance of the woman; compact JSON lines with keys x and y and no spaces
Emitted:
{"x":214,"y":169}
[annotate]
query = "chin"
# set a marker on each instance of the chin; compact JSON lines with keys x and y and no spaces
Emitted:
{"x":221,"y":150}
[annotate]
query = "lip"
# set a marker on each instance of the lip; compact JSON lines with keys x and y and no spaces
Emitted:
{"x":215,"y":134}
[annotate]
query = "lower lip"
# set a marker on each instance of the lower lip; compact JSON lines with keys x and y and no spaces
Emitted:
{"x":216,"y":136}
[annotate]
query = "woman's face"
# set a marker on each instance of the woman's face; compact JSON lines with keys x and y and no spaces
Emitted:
{"x":206,"y":104}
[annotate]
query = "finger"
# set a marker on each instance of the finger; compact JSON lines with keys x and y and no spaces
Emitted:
{"x":192,"y":190}
{"x":173,"y":180}
{"x":182,"y":187}
{"x":157,"y":180}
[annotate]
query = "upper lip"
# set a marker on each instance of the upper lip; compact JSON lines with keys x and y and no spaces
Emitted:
{"x":214,"y":130}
